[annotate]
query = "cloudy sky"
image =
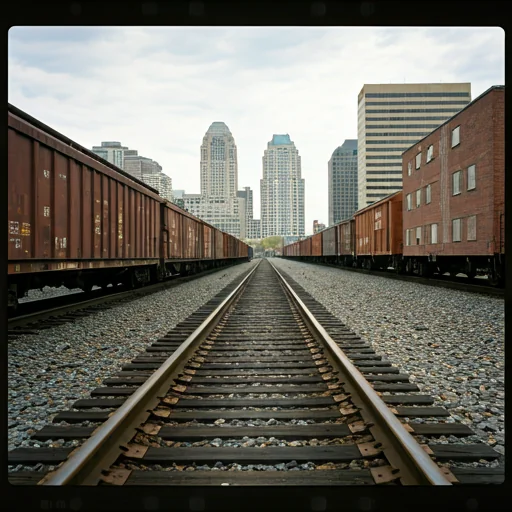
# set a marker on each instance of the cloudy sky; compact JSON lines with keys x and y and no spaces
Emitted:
{"x":158,"y":89}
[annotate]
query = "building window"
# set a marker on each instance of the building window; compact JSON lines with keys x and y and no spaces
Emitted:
{"x":433,"y":233}
{"x":418,"y":236}
{"x":428,"y":194}
{"x":430,"y":153}
{"x":418,"y":161}
{"x":471,"y":226}
{"x":471,"y":177}
{"x":456,"y":136}
{"x":409,"y":168}
{"x":408,"y":237}
{"x":409,"y":202}
{"x":456,"y":182}
{"x":456,"y":230}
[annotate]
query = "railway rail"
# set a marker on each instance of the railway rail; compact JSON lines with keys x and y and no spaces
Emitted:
{"x":260,"y":375}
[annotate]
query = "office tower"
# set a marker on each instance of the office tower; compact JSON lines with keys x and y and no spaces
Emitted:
{"x":393,"y":117}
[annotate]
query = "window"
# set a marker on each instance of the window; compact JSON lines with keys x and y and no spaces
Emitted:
{"x":433,"y":231}
{"x":418,"y":236}
{"x":408,"y":237}
{"x":409,"y":202}
{"x":456,"y":182}
{"x":456,"y":230}
{"x":471,"y":177}
{"x":418,"y":198}
{"x":409,"y":168}
{"x":456,"y":136}
{"x":471,"y":226}
{"x":418,"y":161}
{"x":428,"y":194}
{"x":430,"y":153}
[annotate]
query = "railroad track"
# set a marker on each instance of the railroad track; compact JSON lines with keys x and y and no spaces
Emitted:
{"x":260,"y":377}
{"x":34,"y":316}
{"x":454,"y":283}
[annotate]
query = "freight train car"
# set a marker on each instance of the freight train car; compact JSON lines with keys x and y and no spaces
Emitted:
{"x":69,"y":211}
{"x":75,"y":220}
{"x":378,"y":234}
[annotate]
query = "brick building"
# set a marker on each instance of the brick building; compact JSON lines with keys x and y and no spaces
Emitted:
{"x":453,"y":190}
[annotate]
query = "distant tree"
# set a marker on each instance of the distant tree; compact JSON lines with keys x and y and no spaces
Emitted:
{"x":272,"y":243}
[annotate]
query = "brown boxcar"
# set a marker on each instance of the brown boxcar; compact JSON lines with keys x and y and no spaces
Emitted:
{"x":454,"y":196}
{"x":76,"y":220}
{"x":346,"y":242}
{"x":329,"y":239}
{"x":68,"y":211}
{"x":305,"y":247}
{"x":208,"y":241}
{"x":378,"y":230}
{"x":316,"y":244}
{"x":172,"y":233}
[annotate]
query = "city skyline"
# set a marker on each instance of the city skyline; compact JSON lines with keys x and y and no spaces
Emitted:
{"x":258,"y":81}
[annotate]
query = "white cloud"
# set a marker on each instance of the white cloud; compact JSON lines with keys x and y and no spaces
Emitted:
{"x":158,"y":89}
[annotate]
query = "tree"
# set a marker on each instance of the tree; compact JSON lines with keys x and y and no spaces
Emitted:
{"x":272,"y":243}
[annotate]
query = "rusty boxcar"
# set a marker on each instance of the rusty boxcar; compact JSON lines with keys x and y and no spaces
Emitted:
{"x":329,"y":239}
{"x":78,"y":221}
{"x":69,"y":211}
{"x":379,"y":233}
{"x":316,"y":244}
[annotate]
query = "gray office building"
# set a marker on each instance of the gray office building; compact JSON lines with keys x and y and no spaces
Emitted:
{"x":343,"y":182}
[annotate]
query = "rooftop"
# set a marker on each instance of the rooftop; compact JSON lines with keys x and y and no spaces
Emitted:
{"x":279,"y":140}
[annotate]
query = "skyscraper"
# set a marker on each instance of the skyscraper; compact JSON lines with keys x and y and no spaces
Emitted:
{"x":282,"y":190}
{"x":111,"y":151}
{"x":342,"y":169}
{"x":218,"y":203}
{"x":391,"y":118}
{"x":219,"y":167}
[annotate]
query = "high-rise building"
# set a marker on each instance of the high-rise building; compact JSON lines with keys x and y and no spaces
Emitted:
{"x":282,"y":190}
{"x":111,"y":151}
{"x":342,"y":169}
{"x":221,"y":213}
{"x":254,"y":229}
{"x":218,"y":203}
{"x":318,"y":226}
{"x":161,"y":182}
{"x":219,"y":167}
{"x":137,"y":165}
{"x":245,"y":198}
{"x":393,"y":117}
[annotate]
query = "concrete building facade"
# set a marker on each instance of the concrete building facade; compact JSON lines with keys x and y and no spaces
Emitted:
{"x":282,"y":189}
{"x":219,"y":165}
{"x":111,"y":151}
{"x":393,"y":117}
{"x":342,"y":182}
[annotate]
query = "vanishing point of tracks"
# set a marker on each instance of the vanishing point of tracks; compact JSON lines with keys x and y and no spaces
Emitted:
{"x":273,"y":358}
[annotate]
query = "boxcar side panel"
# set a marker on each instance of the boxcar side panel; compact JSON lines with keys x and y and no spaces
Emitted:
{"x":316,"y":245}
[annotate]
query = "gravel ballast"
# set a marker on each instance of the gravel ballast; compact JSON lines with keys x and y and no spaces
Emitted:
{"x":450,"y":342}
{"x":49,"y":371}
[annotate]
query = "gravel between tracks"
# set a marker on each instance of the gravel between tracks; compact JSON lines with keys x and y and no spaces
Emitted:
{"x":450,"y":342}
{"x":48,"y":372}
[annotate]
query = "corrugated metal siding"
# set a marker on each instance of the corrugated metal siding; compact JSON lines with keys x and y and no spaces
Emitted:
{"x":329,"y":241}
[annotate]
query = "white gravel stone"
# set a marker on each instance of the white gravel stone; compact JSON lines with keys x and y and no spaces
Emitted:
{"x":48,"y":372}
{"x":451,"y":342}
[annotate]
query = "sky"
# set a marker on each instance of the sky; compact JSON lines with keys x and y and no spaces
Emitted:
{"x":158,"y":89}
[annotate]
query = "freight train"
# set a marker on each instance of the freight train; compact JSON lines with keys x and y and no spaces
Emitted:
{"x":450,"y":215}
{"x":78,"y":221}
